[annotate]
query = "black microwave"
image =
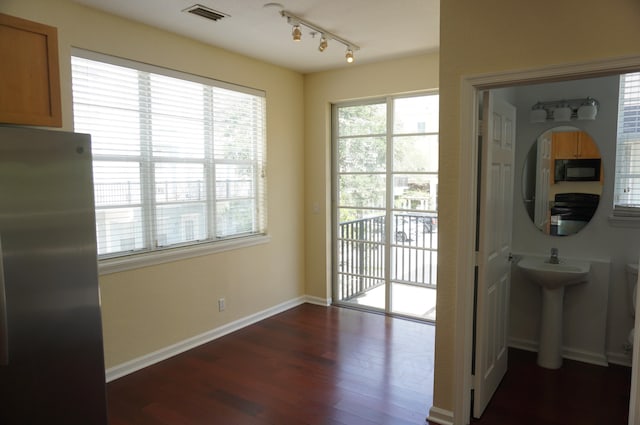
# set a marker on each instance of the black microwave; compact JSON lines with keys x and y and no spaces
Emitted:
{"x":577,"y":170}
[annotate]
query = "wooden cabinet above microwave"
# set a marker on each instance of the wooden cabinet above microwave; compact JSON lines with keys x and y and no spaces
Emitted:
{"x":29,"y":73}
{"x":572,"y":145}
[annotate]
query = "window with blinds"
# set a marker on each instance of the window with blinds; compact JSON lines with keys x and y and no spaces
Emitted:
{"x":627,"y":183}
{"x":178,"y":159}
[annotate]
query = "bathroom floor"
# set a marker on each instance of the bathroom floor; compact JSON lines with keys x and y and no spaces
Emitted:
{"x":578,"y":393}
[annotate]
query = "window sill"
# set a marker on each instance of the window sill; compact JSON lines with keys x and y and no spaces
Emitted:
{"x":633,"y":222}
{"x":136,"y":261}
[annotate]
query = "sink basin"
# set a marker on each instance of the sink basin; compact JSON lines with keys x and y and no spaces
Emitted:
{"x":553,"y":276}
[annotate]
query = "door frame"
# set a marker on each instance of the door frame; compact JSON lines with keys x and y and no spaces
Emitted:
{"x":388,"y":101}
{"x":470,"y":88}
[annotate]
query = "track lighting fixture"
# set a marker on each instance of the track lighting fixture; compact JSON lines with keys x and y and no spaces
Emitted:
{"x":323,"y":43}
{"x":349,"y":55}
{"x":296,"y":33}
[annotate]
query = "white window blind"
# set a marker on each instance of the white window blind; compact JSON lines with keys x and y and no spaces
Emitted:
{"x":178,"y":159}
{"x":627,"y":183}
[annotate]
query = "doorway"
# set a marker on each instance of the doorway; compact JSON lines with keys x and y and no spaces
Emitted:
{"x":471,"y":87}
{"x":385,"y":222}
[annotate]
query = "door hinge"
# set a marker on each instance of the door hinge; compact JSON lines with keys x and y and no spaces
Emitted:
{"x":476,"y":256}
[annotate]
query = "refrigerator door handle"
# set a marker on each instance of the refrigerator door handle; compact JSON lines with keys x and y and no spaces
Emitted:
{"x":4,"y":328}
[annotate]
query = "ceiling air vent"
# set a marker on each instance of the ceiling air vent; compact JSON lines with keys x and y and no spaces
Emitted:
{"x":205,"y":12}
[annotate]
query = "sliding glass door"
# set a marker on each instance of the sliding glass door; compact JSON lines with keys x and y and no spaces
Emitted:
{"x":385,"y":224}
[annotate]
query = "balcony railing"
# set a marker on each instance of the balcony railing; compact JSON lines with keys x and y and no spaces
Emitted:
{"x":361,"y":247}
{"x":129,"y":193}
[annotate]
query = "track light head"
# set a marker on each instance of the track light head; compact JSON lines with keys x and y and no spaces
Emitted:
{"x":349,"y":55}
{"x":323,"y":44}
{"x":296,"y":33}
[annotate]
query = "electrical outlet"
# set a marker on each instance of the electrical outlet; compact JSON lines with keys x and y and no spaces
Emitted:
{"x":221,"y":304}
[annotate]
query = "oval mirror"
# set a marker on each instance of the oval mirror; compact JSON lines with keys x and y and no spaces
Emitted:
{"x":562,"y":180}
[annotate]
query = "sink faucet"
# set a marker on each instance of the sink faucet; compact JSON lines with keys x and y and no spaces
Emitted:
{"x":554,"y":256}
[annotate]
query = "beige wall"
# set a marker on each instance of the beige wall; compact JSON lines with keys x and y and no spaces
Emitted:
{"x":150,"y":308}
{"x":493,"y":36}
{"x":321,"y":89}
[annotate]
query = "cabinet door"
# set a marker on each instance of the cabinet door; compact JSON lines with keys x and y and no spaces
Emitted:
{"x":29,"y":74}
{"x":564,"y":145}
{"x":587,"y":148}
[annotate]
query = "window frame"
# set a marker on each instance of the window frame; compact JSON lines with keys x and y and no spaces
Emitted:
{"x":387,"y":242}
{"x":152,"y":254}
{"x":630,"y":217}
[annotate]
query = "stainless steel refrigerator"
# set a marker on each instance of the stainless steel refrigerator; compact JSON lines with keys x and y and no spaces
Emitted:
{"x":51,"y":352}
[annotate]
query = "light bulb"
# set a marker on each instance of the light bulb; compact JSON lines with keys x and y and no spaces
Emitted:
{"x":588,"y":110}
{"x":296,"y":33}
{"x":538,"y":113}
{"x":562,"y":113}
{"x":349,"y":55}
{"x":323,"y":44}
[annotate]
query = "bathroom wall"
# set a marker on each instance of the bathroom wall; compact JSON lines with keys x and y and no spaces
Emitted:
{"x":596,"y":319}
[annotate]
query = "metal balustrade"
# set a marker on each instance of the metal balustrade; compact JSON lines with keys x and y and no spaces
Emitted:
{"x":361,"y":246}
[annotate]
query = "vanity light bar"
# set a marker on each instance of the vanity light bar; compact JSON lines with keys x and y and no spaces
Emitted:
{"x":565,"y":110}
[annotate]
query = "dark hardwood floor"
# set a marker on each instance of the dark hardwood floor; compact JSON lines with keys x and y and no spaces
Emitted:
{"x":308,"y":365}
{"x":317,"y":365}
{"x":576,"y":394}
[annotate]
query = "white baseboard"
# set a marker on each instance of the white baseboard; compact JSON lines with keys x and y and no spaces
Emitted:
{"x":621,"y":359}
{"x":567,"y":353}
{"x":134,"y":365}
{"x":585,"y":356}
{"x":440,"y":416}
{"x":325,"y":302}
{"x":523,"y":344}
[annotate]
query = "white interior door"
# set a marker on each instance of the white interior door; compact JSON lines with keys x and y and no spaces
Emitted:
{"x":494,"y":248}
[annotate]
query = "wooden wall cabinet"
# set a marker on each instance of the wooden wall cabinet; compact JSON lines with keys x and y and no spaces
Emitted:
{"x":29,"y":73}
{"x":572,"y":145}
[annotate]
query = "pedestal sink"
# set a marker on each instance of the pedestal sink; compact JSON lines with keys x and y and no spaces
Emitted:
{"x":553,"y":278}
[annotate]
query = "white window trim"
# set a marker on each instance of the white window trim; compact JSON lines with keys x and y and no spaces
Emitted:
{"x":619,"y":218}
{"x":139,"y":260}
{"x":616,"y":221}
{"x":155,"y":69}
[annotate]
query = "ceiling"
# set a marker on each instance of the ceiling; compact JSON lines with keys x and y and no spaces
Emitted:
{"x":382,"y":29}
